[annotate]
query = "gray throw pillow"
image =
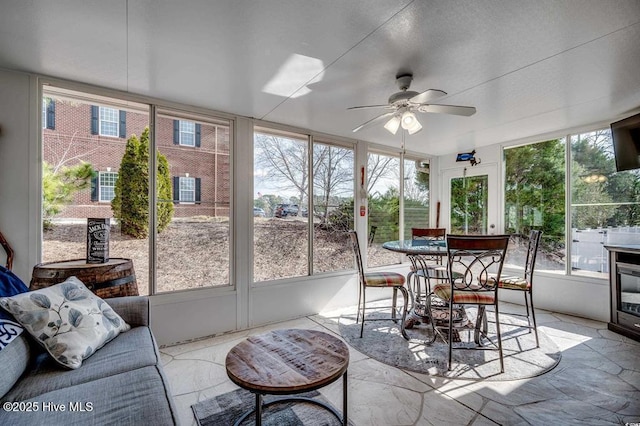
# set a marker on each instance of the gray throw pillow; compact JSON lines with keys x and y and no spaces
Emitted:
{"x":67,"y":319}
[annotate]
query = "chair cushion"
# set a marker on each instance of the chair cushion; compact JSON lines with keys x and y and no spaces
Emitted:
{"x":514,"y":283}
{"x":438,"y":272}
{"x":384,"y":279}
{"x":443,"y":291}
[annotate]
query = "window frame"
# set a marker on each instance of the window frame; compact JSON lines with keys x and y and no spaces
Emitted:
{"x":45,"y":102}
{"x":567,"y":135}
{"x":331,"y":144}
{"x":101,"y":120}
{"x":182,"y":179}
{"x":182,"y":132}
{"x":91,"y":98}
{"x":101,"y":185}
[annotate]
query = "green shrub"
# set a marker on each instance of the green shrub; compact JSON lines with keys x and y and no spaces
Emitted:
{"x":131,"y":202}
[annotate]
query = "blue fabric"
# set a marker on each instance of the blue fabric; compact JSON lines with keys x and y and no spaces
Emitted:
{"x":10,"y":285}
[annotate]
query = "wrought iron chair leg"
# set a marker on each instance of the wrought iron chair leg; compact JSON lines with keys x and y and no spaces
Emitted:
{"x":485,"y":322}
{"x":360,"y":290}
{"x":526,"y":304}
{"x":499,"y":338}
{"x":533,"y":315}
{"x":405,"y":295}
{"x":364,"y":304}
{"x":416,"y":285}
{"x":412,"y":291}
{"x":427,"y":308}
{"x":481,"y":321}
{"x":394,"y":304}
{"x":450,"y":339}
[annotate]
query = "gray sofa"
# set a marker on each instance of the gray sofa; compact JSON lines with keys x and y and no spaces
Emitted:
{"x":122,"y":383}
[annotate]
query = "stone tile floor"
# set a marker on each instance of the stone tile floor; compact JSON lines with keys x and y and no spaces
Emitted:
{"x":597,"y":381}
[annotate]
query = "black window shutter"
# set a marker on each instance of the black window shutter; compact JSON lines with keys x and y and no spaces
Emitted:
{"x":197,"y":135}
{"x":94,"y":187}
{"x":176,"y":189}
{"x":197,"y":190}
{"x":95,"y":112}
{"x":123,"y":124}
{"x":176,"y":132}
{"x":51,"y":114}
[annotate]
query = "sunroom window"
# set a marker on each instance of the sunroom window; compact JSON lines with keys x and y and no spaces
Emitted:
{"x":605,"y":204}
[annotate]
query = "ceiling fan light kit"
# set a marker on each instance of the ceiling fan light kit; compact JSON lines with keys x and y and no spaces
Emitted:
{"x":410,"y":123}
{"x":408,"y":119}
{"x":393,"y":124}
{"x":405,"y":103}
{"x":415,"y":128}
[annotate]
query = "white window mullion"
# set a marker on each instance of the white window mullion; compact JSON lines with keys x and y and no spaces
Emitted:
{"x":109,"y":121}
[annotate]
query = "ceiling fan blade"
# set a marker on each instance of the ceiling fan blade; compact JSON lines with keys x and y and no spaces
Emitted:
{"x":373,"y":120}
{"x":427,"y":95}
{"x":448,"y":109}
{"x":371,"y":106}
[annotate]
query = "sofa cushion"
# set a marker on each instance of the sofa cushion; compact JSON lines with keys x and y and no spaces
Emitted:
{"x":67,"y":319}
{"x":13,"y":362}
{"x":129,"y":351}
{"x":138,"y":397}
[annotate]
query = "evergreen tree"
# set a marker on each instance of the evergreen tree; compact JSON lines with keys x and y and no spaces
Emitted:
{"x":165,"y":202}
{"x":131,"y":202}
{"x":384,"y":214}
{"x":534,"y":195}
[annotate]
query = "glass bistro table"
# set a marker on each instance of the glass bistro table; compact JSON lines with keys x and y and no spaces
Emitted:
{"x":424,"y":256}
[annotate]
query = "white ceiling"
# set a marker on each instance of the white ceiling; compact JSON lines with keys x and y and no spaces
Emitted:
{"x":529,"y":67}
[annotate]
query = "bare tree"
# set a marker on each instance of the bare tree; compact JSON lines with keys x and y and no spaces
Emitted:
{"x":64,"y":152}
{"x":333,"y":175}
{"x":64,"y":173}
{"x":413,"y":188}
{"x":284,"y":162}
{"x":378,"y":168}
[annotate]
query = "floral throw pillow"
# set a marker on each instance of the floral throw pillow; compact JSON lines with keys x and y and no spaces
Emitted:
{"x":67,"y":319}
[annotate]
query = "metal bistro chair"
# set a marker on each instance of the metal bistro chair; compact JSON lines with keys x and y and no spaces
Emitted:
{"x":424,"y":266}
{"x":378,"y":279}
{"x":524,"y":284}
{"x":479,"y":259}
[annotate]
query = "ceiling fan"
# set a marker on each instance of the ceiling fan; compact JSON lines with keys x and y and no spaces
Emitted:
{"x":405,"y":103}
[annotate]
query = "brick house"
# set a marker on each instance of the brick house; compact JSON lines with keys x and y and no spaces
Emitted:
{"x":197,"y":152}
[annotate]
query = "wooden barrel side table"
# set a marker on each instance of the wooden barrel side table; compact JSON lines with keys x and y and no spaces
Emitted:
{"x":288,"y":362}
{"x":114,"y":278}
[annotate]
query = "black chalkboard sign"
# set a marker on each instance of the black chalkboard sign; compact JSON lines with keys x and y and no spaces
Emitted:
{"x":98,"y":230}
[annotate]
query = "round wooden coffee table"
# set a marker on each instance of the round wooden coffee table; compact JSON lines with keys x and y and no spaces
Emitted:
{"x":288,"y":362}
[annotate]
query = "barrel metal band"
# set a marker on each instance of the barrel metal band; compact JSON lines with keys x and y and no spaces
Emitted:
{"x":112,"y":283}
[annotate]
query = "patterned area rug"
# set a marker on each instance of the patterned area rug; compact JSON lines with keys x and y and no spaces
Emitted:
{"x":382,"y":341}
{"x":225,"y":409}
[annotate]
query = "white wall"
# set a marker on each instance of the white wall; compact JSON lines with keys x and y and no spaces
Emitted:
{"x":15,"y":162}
